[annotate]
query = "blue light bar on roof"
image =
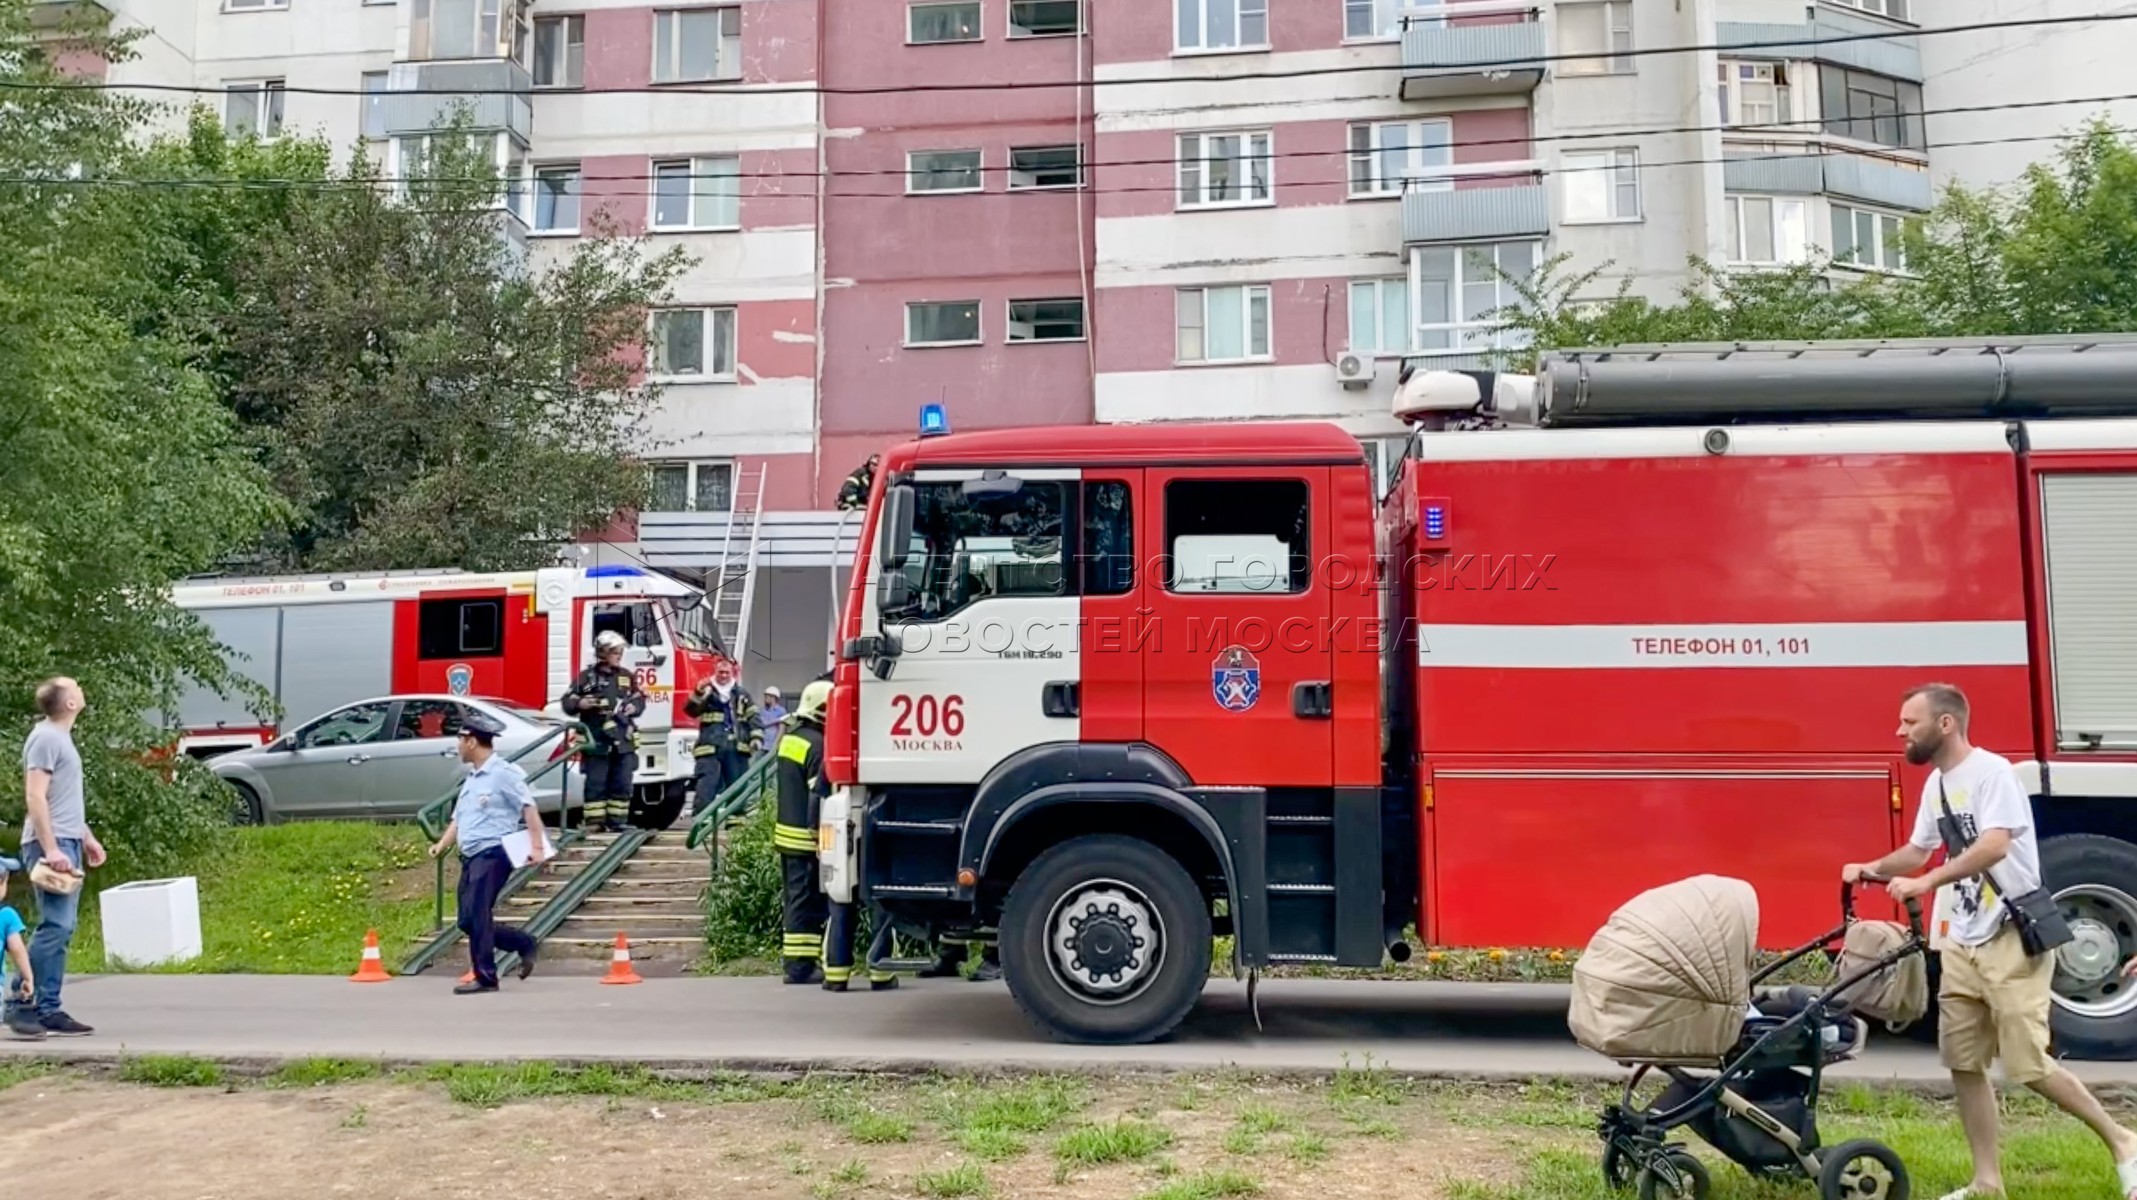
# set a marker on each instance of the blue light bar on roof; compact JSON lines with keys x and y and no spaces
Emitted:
{"x":934,"y":421}
{"x":613,"y":571}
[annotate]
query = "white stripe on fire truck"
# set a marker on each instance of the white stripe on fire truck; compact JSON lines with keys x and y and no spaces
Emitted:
{"x":1797,"y":644}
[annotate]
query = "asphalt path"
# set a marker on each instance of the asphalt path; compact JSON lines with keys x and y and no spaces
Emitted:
{"x":1491,"y":1031}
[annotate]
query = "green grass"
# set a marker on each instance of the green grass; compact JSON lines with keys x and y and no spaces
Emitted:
{"x":296,"y":900}
{"x":1112,"y":1142}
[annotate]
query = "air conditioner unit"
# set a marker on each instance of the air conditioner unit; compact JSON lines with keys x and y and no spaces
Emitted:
{"x":1356,"y":370}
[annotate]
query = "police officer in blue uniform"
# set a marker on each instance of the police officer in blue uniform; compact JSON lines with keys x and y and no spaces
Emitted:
{"x":494,"y":801}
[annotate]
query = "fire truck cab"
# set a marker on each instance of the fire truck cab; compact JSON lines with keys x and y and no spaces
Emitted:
{"x":1104,"y":693}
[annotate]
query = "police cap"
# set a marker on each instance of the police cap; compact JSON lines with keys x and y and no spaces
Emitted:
{"x":482,"y":726}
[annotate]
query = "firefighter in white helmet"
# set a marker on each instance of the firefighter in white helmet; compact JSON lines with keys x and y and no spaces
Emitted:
{"x":608,"y":701}
{"x":801,"y":787}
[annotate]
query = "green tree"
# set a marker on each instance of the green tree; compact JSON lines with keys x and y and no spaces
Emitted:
{"x":120,"y":474}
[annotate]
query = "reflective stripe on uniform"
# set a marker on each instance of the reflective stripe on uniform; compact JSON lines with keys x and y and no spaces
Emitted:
{"x":837,"y":974}
{"x":794,"y":749}
{"x":798,"y":838}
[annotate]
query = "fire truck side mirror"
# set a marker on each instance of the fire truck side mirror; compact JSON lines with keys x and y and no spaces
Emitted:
{"x":897,"y":539}
{"x":893,"y":591}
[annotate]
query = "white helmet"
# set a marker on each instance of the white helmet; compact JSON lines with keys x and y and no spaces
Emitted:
{"x":609,"y":640}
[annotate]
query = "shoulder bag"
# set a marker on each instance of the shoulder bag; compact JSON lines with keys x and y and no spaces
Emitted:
{"x":2041,"y":927}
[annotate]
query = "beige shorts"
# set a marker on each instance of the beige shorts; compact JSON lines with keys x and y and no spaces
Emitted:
{"x":1994,"y":1003}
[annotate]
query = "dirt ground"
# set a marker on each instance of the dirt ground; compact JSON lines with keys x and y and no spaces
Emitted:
{"x":93,"y":1139}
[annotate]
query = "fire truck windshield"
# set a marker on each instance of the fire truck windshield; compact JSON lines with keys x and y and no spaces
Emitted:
{"x":968,"y":548}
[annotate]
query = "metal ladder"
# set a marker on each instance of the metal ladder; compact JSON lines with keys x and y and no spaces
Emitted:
{"x":838,"y":593}
{"x":734,"y":583}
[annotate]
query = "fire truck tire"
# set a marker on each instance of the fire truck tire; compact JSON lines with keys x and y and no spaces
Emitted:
{"x":245,"y":806}
{"x":1106,"y":940}
{"x":2094,"y":881}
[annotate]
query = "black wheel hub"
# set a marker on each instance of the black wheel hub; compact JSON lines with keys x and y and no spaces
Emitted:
{"x":1105,"y":944}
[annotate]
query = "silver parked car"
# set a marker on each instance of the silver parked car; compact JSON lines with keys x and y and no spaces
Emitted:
{"x":385,"y":759}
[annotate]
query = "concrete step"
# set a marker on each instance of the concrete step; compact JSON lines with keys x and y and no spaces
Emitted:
{"x":678,"y":884}
{"x":643,"y":869}
{"x":633,"y":925}
{"x":602,"y":903}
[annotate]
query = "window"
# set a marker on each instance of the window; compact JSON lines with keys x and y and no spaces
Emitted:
{"x":1372,"y":18}
{"x":1383,"y":156}
{"x":1046,"y":320}
{"x":693,"y":487}
{"x":356,"y":725}
{"x":1896,"y":9}
{"x":1045,"y":18}
{"x":942,"y":171}
{"x":253,"y":109}
{"x":1869,"y":239}
{"x":1221,"y":24}
{"x":945,"y":323}
{"x":1045,"y":167}
{"x":450,"y":29}
{"x":254,"y":5}
{"x":972,"y":544}
{"x":1108,"y":550}
{"x":374,"y":105}
{"x":423,"y":719}
{"x":698,"y":193}
{"x":458,"y":628}
{"x":1236,"y":536}
{"x":1456,"y":290}
{"x":694,"y":343}
{"x":514,"y":177}
{"x":556,"y":199}
{"x":1754,"y":93}
{"x":559,"y":51}
{"x":634,"y":622}
{"x":1872,"y":108}
{"x":1221,"y":324}
{"x":1380,"y":316}
{"x":1603,"y":30}
{"x":1383,"y":461}
{"x":1768,"y":229}
{"x":1601,"y":186}
{"x":692,"y":44}
{"x":930,"y":23}
{"x":1224,"y":169}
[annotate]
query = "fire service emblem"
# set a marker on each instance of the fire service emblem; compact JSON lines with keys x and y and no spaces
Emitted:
{"x":459,"y":678}
{"x":1235,"y":679}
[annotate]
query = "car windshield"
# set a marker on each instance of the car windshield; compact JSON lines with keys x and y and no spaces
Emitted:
{"x":532,"y":716}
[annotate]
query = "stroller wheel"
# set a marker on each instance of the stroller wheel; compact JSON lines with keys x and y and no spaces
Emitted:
{"x":1862,"y":1170}
{"x":1674,"y":1175}
{"x":1617,"y":1167}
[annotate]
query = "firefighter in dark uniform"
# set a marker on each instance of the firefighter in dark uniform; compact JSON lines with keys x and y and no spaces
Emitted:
{"x":799,"y":772}
{"x":608,"y":701}
{"x":728,"y":733}
{"x":854,"y":492}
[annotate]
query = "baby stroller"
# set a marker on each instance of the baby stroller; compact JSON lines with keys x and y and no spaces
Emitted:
{"x":1667,"y":985}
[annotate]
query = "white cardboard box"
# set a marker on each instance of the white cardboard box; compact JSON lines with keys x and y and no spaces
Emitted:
{"x":151,"y":922}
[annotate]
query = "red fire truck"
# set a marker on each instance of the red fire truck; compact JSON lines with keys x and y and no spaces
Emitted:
{"x":319,"y":642}
{"x":1104,"y":692}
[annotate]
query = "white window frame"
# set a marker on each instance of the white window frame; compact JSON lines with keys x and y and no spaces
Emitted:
{"x":979,"y":27}
{"x":1775,"y":77}
{"x":502,"y":22}
{"x":1382,"y":290}
{"x":568,"y":21}
{"x":1893,"y":9}
{"x":1418,"y":158}
{"x":270,"y":106}
{"x":916,"y":175}
{"x":718,"y":334}
{"x":701,"y":172}
{"x":1257,"y":150}
{"x":1895,"y":248}
{"x":253,"y":6}
{"x":1016,"y":172}
{"x":1199,"y":12}
{"x":1083,"y":22}
{"x":725,"y":66}
{"x":1385,"y":17}
{"x":1083,"y":322}
{"x":979,"y":322}
{"x":1463,"y":335}
{"x":373,"y":99}
{"x":692,"y":468}
{"x":1249,"y":295}
{"x":1618,"y":167}
{"x":1614,"y":56}
{"x":1777,"y":253}
{"x":576,"y":190}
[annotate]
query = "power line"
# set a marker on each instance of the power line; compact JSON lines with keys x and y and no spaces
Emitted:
{"x":715,"y":89}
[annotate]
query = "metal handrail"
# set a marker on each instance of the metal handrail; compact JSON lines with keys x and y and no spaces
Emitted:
{"x":575,"y":890}
{"x":431,"y":817}
{"x":514,"y":883}
{"x":734,"y":800}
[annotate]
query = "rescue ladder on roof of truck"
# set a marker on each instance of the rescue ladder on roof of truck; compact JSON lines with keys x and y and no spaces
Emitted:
{"x":734,"y":582}
{"x":1735,"y":383}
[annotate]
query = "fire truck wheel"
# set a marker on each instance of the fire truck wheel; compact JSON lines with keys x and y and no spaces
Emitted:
{"x":245,"y":805}
{"x":2094,"y":882}
{"x":1107,"y":940}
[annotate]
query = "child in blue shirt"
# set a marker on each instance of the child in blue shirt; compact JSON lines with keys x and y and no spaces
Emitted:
{"x":21,"y":982}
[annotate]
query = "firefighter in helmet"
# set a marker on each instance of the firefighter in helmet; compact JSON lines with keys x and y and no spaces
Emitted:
{"x":799,"y":772}
{"x":728,"y":732}
{"x":854,"y":492}
{"x":608,"y":701}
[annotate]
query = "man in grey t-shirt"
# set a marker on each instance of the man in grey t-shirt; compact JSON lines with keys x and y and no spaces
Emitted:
{"x":55,"y":831}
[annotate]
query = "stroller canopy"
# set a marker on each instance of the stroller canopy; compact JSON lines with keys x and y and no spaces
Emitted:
{"x":1668,"y":978}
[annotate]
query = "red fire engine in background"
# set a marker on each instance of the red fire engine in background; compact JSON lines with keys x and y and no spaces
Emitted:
{"x":317,"y":643}
{"x":1104,"y":692}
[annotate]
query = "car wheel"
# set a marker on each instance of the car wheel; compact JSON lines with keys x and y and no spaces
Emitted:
{"x":2095,"y":1013}
{"x":245,"y":807}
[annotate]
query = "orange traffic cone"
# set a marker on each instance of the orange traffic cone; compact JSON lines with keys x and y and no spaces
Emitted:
{"x":619,"y":964}
{"x":373,"y":969}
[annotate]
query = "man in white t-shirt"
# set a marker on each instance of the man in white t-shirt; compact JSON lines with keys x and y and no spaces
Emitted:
{"x":1995,"y":998}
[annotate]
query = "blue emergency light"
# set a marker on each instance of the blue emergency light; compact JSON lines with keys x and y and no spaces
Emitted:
{"x":934,"y":421}
{"x":1435,"y":521}
{"x":614,"y":571}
